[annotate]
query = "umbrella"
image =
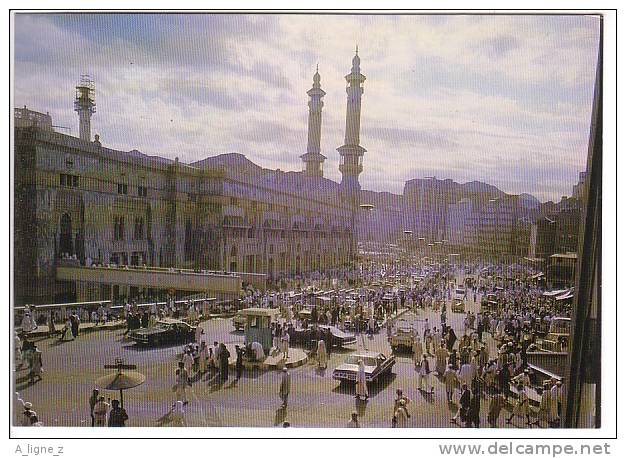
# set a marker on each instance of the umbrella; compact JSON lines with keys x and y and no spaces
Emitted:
{"x":121,"y":381}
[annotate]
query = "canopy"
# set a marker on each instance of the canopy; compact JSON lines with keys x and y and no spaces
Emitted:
{"x":557,"y":292}
{"x":121,"y":381}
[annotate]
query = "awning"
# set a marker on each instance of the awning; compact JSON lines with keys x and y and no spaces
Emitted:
{"x":566,"y":296}
{"x":557,"y":292}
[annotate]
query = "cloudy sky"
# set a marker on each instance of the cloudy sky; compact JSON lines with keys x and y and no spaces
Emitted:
{"x":501,"y":99}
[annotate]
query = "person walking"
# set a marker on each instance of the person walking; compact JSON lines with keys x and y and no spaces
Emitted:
{"x":400,"y":396}
{"x":521,"y":407}
{"x":322,"y":357}
{"x":66,"y":334}
{"x":188,"y":361}
{"x":177,"y":414}
{"x":464,"y":405}
{"x":52,"y":330}
{"x":496,"y":403}
{"x":203,"y":356}
{"x":474,"y":410}
{"x":423,"y":375}
{"x":36,"y":367}
{"x":27,"y":414}
{"x":224,"y":357}
{"x":285,"y":345}
{"x":361,"y":382}
{"x":118,"y":415}
{"x":354,"y":421}
{"x":238,"y":362}
{"x":401,"y":415}
{"x":451,"y":380}
{"x":441,"y":359}
{"x":182,"y":381}
{"x":100,"y":412}
{"x":418,"y":351}
{"x":93,"y":399}
{"x":285,"y":387}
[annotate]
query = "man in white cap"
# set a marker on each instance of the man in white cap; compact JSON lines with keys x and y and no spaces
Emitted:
{"x":285,"y":387}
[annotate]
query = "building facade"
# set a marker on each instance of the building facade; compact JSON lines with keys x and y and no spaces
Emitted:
{"x":77,"y":201}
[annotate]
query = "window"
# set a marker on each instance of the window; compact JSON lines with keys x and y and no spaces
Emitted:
{"x":118,"y":228}
{"x":142,"y":191}
{"x":69,"y":181}
{"x":69,"y":162}
{"x":234,"y":201}
{"x":138,"y":231}
{"x":122,"y":188}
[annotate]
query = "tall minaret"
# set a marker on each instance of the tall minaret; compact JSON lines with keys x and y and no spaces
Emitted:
{"x":313,"y":159}
{"x":351,"y":163}
{"x":85,"y":106}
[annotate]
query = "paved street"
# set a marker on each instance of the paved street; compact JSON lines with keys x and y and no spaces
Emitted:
{"x":316,"y":400}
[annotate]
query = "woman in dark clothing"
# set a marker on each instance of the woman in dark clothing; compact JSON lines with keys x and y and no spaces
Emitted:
{"x":239,"y":363}
{"x":504,"y":378}
{"x":224,"y":355}
{"x":118,"y":415}
{"x":474,"y":410}
{"x":451,"y":340}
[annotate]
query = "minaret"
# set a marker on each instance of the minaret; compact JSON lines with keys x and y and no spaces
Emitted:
{"x":313,"y":159}
{"x":85,"y":106}
{"x":351,"y":163}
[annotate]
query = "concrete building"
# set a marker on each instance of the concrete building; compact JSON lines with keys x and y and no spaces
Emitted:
{"x":426,"y":204}
{"x":80,"y":204}
{"x":458,"y":228}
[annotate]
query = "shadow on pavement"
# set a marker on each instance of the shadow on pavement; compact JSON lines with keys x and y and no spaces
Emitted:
{"x":373,"y":388}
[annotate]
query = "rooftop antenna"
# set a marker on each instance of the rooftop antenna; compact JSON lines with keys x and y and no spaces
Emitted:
{"x":85,"y":105}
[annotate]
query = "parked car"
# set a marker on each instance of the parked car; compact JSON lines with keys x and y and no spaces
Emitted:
{"x":458,"y":306}
{"x":377,"y":365}
{"x":164,"y":332}
{"x":402,"y":336}
{"x":306,"y":336}
{"x":239,"y":321}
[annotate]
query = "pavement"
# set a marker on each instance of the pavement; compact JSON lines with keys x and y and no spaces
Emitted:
{"x":316,"y":400}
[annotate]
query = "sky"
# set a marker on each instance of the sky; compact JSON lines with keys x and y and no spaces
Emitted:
{"x":500,"y":99}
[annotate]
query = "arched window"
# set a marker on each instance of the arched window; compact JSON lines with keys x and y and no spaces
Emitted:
{"x":233,"y":251}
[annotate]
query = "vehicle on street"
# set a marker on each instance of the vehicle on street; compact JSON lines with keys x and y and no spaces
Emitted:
{"x":312,"y":333}
{"x":166,"y":331}
{"x":557,"y":340}
{"x":377,"y":365}
{"x":239,"y":321}
{"x":402,"y":336}
{"x":241,"y":318}
{"x":458,"y":306}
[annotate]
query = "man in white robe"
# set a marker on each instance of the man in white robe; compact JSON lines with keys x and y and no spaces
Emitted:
{"x":361,"y":382}
{"x":322,"y":355}
{"x":285,"y":387}
{"x":423,"y":375}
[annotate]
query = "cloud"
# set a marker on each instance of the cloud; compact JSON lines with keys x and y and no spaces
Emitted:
{"x":502,"y":99}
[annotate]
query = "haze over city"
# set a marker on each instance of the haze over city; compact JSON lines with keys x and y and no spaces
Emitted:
{"x":501,"y":99}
